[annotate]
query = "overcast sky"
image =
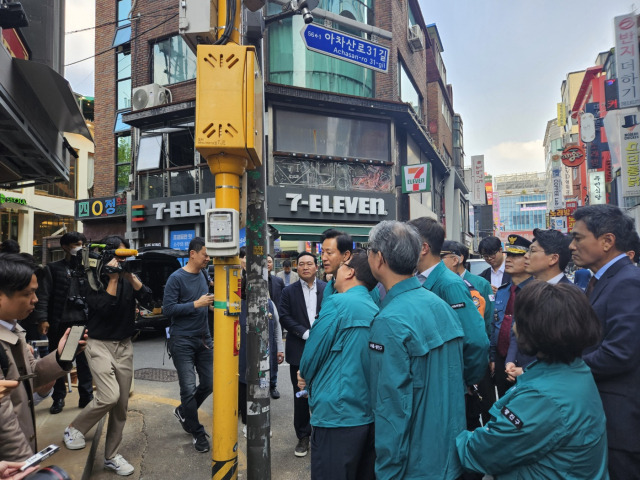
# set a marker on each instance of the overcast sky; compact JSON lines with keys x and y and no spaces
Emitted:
{"x":506,"y":60}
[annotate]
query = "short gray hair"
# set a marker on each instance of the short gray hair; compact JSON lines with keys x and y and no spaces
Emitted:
{"x":400,"y":244}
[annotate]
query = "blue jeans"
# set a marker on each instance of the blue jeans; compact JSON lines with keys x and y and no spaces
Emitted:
{"x":193,"y":355}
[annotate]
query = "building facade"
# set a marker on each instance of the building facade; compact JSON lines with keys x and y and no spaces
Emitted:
{"x":337,"y":133}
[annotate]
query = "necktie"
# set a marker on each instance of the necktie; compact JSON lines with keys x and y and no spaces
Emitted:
{"x":504,"y":335}
{"x":591,"y":285}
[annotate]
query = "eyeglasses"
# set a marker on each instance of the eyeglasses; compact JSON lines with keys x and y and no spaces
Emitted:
{"x":371,"y":249}
{"x":489,"y":255}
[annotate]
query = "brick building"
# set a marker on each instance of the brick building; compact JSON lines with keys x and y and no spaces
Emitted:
{"x":336,"y":131}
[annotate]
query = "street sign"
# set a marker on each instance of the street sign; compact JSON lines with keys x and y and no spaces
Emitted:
{"x":345,"y":47}
{"x":416,"y":178}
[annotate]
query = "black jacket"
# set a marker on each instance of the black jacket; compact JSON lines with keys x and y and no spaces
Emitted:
{"x":486,"y":274}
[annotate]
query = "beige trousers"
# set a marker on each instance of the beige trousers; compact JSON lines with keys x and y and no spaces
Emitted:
{"x":111,"y":364}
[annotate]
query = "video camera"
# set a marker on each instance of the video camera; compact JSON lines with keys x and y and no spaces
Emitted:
{"x":95,"y":258}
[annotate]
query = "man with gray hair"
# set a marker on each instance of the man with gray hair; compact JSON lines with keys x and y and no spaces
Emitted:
{"x":415,"y":349}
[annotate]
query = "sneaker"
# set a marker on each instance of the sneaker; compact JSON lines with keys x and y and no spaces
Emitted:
{"x":302,"y":448}
{"x":201,"y":443}
{"x":275,"y":394}
{"x":178,"y":413}
{"x":119,"y":465}
{"x":244,"y":431}
{"x":73,"y":439}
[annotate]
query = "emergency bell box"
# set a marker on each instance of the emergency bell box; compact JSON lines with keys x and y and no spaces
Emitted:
{"x":222,"y":232}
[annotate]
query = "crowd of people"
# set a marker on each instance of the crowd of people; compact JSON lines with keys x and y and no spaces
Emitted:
{"x":403,"y":364}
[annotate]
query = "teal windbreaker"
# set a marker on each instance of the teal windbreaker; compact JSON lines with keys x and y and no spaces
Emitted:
{"x":335,"y":362}
{"x":417,"y":390}
{"x":550,"y":425}
{"x":450,"y":288}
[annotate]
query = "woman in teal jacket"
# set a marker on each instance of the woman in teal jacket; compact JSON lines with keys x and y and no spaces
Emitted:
{"x":335,"y":367}
{"x":551,"y":425}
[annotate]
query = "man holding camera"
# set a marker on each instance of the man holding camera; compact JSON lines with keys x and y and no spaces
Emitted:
{"x":186,"y":302}
{"x":110,"y":353}
{"x":62,"y":303}
{"x":18,"y":286}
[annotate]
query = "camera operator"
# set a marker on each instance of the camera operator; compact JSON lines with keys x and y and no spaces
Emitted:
{"x":18,"y":284}
{"x":110,"y":354}
{"x":62,"y":303}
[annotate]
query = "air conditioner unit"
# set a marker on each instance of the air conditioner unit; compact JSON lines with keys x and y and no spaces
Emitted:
{"x":148,"y":96}
{"x":415,"y":35}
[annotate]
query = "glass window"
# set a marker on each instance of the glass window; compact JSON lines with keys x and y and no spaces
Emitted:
{"x":124,"y":7}
{"x":207,"y":180}
{"x":173,"y":61}
{"x":62,"y":189}
{"x":124,"y":94}
{"x":182,"y":183}
{"x":149,"y":152}
{"x":123,"y":77}
{"x":122,"y":36}
{"x":300,"y":132}
{"x":120,"y":126}
{"x":412,"y":17}
{"x":408,"y":92}
{"x":181,"y":149}
{"x":123,"y":162}
{"x":151,"y":186}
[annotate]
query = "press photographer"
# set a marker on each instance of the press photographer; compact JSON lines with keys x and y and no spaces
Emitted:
{"x":62,"y":303}
{"x":112,"y":304}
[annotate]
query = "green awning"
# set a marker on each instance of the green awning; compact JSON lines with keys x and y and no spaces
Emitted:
{"x":306,"y":232}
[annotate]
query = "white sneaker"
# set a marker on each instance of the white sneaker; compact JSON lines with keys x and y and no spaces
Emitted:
{"x":244,"y":431}
{"x":119,"y":465}
{"x":73,"y":439}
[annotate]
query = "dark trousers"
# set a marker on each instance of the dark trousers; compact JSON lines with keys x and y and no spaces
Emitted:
{"x":242,"y":402}
{"x":480,"y":402}
{"x":346,"y":453}
{"x":624,"y":465}
{"x":500,"y":377}
{"x":301,"y":415}
{"x":191,"y":356}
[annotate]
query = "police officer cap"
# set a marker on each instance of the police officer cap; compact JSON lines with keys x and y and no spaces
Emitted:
{"x":516,"y":245}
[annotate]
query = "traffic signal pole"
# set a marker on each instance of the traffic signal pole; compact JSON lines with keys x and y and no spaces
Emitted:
{"x":228,"y":134}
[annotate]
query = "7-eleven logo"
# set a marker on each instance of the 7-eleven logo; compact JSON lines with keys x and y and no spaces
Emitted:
{"x":416,"y":178}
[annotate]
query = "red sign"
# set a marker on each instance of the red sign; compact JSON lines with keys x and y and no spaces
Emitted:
{"x":573,"y":156}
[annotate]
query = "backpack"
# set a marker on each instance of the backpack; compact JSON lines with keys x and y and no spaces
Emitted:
{"x":478,"y":300}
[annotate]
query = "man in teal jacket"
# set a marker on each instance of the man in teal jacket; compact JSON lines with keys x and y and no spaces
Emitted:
{"x":335,"y":367}
{"x":415,"y":347}
{"x":437,"y":278}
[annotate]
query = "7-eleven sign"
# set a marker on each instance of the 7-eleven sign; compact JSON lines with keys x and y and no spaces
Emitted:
{"x":416,"y":178}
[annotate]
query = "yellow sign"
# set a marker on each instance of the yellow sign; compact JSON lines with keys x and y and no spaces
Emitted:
{"x":562,"y":114}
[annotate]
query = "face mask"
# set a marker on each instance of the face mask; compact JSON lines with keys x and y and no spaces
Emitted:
{"x":75,"y":250}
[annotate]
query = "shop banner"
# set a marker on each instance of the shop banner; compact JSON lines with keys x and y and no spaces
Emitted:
{"x":416,"y":178}
{"x":597,"y":190}
{"x":626,"y":32}
{"x":557,"y":196}
{"x":567,"y":181}
{"x":630,"y":156}
{"x":477,"y":179}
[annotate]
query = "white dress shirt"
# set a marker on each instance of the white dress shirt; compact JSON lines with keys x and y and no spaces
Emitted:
{"x":311,"y":301}
{"x":496,"y":275}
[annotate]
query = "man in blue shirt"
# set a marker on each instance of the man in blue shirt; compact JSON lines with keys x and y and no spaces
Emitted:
{"x":186,"y":301}
{"x":337,"y":349}
{"x":601,"y":236}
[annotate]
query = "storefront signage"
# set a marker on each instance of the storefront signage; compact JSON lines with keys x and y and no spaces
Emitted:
{"x":556,"y":188}
{"x":416,"y":178}
{"x":573,"y":156}
{"x":180,"y":239}
{"x":328,"y":205}
{"x":107,"y":207}
{"x":478,"y":196}
{"x":626,"y":31}
{"x":16,"y":200}
{"x":172,"y":211}
{"x":345,"y":47}
{"x":597,"y":192}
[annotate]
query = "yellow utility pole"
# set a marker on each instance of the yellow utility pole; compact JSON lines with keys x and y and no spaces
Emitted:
{"x":229,"y":135}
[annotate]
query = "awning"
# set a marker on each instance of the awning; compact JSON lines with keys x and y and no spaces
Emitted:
{"x":306,"y":232}
{"x":36,"y":108}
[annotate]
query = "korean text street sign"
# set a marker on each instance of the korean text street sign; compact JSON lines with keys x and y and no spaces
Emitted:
{"x":345,"y":47}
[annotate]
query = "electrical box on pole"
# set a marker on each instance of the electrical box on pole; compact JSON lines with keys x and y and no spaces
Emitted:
{"x":222,"y":237}
{"x":229,"y":103}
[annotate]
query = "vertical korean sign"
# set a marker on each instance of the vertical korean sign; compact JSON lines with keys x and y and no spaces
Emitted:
{"x":477,"y":178}
{"x":630,"y":156}
{"x":597,"y":192}
{"x":557,"y":196}
{"x":626,"y":30}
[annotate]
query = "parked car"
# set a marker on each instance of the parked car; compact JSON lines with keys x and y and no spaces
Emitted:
{"x":477,"y":265}
{"x":158,"y":263}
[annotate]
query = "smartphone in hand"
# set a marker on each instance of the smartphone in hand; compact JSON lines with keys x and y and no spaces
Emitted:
{"x":71,"y":346}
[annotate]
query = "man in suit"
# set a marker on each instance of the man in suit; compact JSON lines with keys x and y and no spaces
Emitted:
{"x":601,"y":236}
{"x":546,"y":259}
{"x":491,"y":250}
{"x":299,"y":305}
{"x":287,"y":275}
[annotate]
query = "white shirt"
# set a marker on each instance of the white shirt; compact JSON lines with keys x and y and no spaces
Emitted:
{"x":311,"y":301}
{"x":422,"y":276}
{"x":7,"y":325}
{"x":556,"y":279}
{"x":496,"y":276}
